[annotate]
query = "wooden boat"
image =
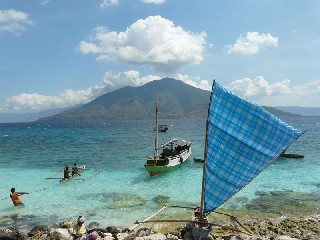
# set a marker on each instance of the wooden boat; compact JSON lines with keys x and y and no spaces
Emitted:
{"x":291,"y":155}
{"x":238,"y":147}
{"x":173,"y":153}
{"x":162,"y":128}
{"x":198,"y":160}
{"x":80,"y":170}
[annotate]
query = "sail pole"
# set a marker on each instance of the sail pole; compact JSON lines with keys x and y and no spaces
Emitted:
{"x":205,"y":158}
{"x":156,"y":139}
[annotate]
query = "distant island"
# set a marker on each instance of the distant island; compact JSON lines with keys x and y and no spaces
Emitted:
{"x":178,"y":100}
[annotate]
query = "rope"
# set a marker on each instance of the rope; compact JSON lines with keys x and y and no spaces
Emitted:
{"x":43,"y":189}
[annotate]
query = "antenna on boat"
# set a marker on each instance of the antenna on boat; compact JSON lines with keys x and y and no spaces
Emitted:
{"x":205,"y":158}
{"x":156,"y":139}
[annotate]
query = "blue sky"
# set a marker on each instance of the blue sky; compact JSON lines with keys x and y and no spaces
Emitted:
{"x":57,"y":53}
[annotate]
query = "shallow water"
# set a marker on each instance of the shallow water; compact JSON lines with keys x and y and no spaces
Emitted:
{"x":122,"y":192}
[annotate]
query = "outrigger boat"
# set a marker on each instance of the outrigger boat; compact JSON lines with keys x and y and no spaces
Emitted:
{"x":80,"y":169}
{"x":173,"y":153}
{"x":242,"y":139}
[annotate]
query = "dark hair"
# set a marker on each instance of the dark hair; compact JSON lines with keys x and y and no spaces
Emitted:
{"x":13,"y":190}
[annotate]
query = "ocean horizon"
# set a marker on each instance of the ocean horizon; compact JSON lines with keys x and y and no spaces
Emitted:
{"x":115,"y":189}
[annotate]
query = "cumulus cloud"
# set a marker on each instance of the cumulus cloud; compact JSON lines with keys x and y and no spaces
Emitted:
{"x":196,"y":82}
{"x":278,"y":94}
{"x":14,"y":21}
{"x":258,"y":87}
{"x":33,"y":102}
{"x":108,"y":3}
{"x":312,"y":88}
{"x":154,"y":1}
{"x":154,"y":41}
{"x":252,"y":43}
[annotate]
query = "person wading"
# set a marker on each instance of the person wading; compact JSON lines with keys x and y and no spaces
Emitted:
{"x":15,"y":197}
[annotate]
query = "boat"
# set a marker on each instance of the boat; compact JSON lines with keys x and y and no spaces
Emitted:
{"x":242,"y":139}
{"x":198,"y":160}
{"x":162,"y":128}
{"x":79,"y":171}
{"x":291,"y":155}
{"x":168,"y":156}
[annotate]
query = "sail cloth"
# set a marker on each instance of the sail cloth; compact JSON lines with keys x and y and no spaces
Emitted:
{"x":243,"y":139}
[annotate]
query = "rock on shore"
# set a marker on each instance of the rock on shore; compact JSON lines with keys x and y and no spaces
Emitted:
{"x":264,"y":229}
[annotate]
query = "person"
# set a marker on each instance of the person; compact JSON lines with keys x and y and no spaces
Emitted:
{"x":79,"y":229}
{"x":66,"y":172}
{"x":15,"y":197}
{"x":74,"y":169}
{"x":92,"y":236}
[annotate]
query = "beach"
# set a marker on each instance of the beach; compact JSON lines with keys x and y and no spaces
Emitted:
{"x":255,"y":226}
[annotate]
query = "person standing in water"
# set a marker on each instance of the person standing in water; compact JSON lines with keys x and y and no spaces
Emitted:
{"x":15,"y":197}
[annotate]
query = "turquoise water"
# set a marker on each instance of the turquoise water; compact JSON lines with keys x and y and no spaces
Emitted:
{"x":116,"y":189}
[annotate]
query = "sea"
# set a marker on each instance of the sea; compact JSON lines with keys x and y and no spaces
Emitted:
{"x":116,"y":190}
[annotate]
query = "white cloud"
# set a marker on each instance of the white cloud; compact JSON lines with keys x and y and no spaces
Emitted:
{"x":258,"y":87}
{"x":153,"y":41}
{"x":108,"y":3}
{"x":198,"y":83}
{"x":312,"y":88}
{"x":252,"y":43}
{"x":154,"y":1}
{"x":277,"y":94}
{"x":14,"y":21}
{"x":33,"y":102}
{"x":130,"y":78}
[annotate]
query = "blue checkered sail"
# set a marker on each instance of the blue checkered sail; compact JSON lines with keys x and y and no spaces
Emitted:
{"x":243,"y":139}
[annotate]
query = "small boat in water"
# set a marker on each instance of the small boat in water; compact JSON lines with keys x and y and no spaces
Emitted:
{"x":198,"y":160}
{"x":173,"y":153}
{"x":162,"y":128}
{"x":75,"y":172}
{"x":291,"y":155}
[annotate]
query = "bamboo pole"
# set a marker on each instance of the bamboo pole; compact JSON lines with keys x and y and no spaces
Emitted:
{"x":55,"y":174}
{"x":205,"y":158}
{"x":236,"y":220}
{"x":212,"y":224}
{"x":148,"y":218}
{"x":181,"y":207}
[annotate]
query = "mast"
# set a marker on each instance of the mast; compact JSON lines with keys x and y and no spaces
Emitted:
{"x":156,"y":139}
{"x":205,"y":158}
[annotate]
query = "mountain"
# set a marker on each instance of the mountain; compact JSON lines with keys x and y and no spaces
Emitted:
{"x":177,"y":100}
{"x":304,"y":111}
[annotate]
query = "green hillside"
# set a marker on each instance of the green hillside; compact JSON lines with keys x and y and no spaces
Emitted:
{"x":177,"y":100}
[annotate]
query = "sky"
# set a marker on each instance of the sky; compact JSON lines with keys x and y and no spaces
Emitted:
{"x":57,"y":53}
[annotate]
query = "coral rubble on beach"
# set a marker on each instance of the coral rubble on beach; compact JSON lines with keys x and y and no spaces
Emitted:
{"x":281,"y":228}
